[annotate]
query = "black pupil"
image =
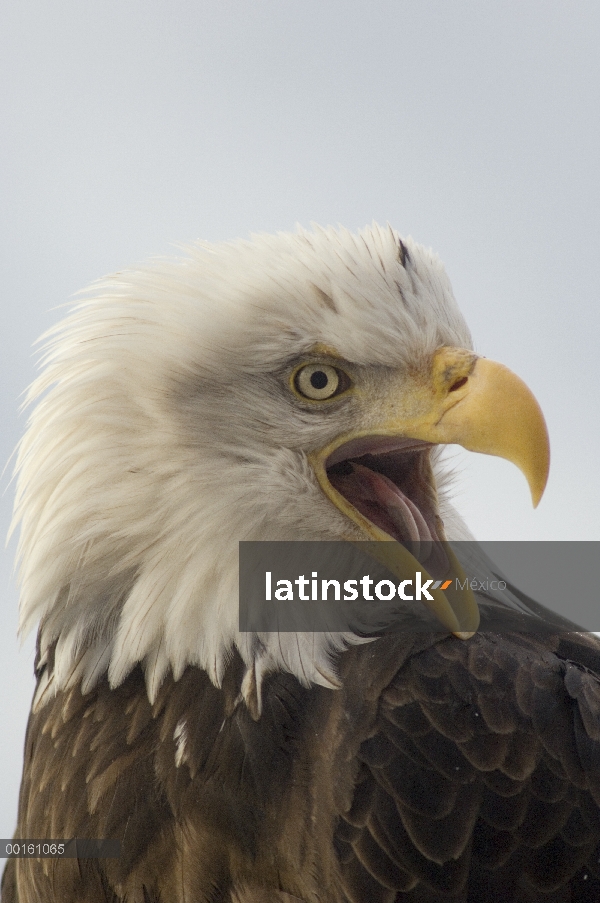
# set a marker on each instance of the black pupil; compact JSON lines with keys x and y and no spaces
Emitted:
{"x":318,"y":379}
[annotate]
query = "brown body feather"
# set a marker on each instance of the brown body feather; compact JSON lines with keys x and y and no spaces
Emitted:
{"x":442,"y":770}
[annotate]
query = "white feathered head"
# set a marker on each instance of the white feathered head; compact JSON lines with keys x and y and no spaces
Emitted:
{"x":232,"y":395}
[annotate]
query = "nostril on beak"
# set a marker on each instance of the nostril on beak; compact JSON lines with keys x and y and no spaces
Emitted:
{"x":458,"y":384}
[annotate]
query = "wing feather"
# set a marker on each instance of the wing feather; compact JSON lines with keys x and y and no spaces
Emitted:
{"x":441,"y":770}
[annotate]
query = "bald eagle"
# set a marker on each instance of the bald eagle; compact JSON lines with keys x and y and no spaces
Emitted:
{"x":291,"y":387}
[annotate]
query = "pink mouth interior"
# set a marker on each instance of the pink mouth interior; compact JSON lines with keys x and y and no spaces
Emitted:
{"x":393,"y":489}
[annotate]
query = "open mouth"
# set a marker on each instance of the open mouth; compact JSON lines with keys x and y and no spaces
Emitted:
{"x":383,"y":482}
{"x":391,"y":483}
{"x":385,"y":485}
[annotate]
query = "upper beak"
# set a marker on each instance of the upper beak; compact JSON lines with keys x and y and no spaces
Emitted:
{"x":464,"y":400}
{"x":485,"y":407}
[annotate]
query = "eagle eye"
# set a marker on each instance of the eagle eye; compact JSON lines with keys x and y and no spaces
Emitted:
{"x":319,"y":381}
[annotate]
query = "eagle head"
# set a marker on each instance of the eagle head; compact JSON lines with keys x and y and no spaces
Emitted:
{"x":291,"y":387}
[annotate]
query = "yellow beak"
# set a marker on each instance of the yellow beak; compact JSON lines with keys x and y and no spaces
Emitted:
{"x":485,"y":407}
{"x":464,"y":400}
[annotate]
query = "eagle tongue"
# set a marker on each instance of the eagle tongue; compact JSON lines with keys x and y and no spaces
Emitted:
{"x":384,"y":503}
{"x":400,"y":509}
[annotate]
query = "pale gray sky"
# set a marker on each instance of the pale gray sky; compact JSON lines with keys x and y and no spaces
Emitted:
{"x":128,"y":126}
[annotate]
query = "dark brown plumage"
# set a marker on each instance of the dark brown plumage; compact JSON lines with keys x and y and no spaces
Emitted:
{"x":443,"y":770}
